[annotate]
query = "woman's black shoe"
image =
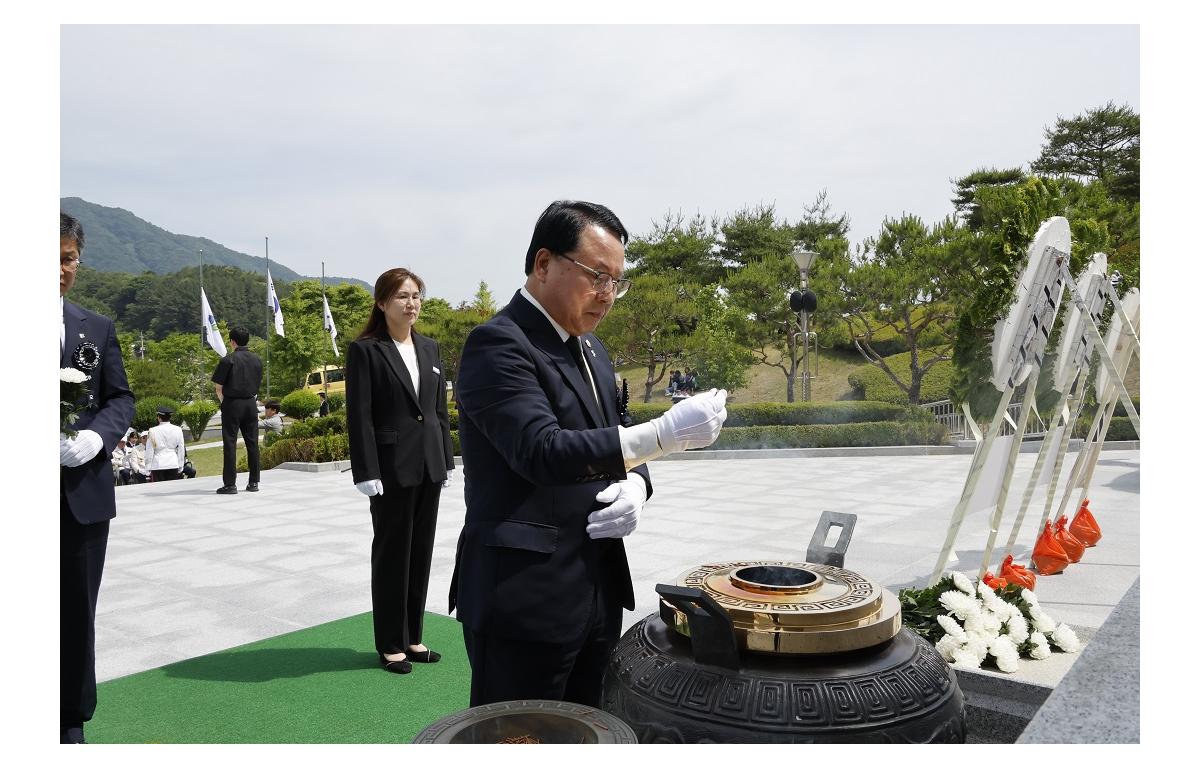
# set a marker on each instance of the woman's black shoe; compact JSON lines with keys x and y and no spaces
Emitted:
{"x":424,"y":657}
{"x":401,"y":667}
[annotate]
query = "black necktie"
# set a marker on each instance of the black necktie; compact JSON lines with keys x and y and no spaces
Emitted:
{"x":576,"y":348}
{"x":575,"y":344}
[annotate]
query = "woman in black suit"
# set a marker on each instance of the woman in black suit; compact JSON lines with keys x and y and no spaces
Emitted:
{"x":401,"y":456}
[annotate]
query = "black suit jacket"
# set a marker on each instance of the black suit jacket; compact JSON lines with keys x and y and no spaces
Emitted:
{"x":391,"y":431}
{"x":89,"y":487}
{"x":536,"y":450}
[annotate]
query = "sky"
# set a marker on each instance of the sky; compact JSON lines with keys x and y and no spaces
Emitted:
{"x":436,"y":147}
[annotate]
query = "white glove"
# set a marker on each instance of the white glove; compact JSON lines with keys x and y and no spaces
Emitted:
{"x":449,"y":478}
{"x":370,"y":487}
{"x":619,"y":518}
{"x":79,"y":450}
{"x":692,"y":423}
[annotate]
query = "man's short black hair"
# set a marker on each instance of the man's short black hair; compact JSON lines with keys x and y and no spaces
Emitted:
{"x":272,"y":404}
{"x":322,"y":395}
{"x":240,"y":335}
{"x":557,"y":229}
{"x":69,"y":228}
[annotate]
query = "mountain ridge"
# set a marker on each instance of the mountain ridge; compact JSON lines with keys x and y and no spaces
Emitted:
{"x":118,"y":240}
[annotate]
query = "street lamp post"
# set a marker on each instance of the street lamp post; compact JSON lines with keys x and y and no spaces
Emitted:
{"x":803,"y":303}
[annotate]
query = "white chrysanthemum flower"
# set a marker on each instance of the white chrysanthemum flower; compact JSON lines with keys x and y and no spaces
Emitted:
{"x":1018,"y":628}
{"x":977,"y":645}
{"x":1029,"y":597}
{"x":1042,"y":622}
{"x":1041,"y":646}
{"x":963,"y":583}
{"x":1008,"y":662}
{"x":947,"y":646}
{"x":960,"y":605}
{"x":965,"y":659}
{"x":1002,"y":645}
{"x":72,"y":375}
{"x":1064,"y":637}
{"x":951,"y":628}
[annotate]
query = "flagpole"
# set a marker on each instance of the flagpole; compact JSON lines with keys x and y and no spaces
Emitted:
{"x":270,"y":309}
{"x":203,"y":327}
{"x":325,"y":365}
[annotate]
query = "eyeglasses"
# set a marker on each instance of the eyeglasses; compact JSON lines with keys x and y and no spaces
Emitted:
{"x":70,"y":265}
{"x":604,"y":282}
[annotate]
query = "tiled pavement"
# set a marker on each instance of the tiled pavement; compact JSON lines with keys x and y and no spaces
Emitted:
{"x":190,"y":572}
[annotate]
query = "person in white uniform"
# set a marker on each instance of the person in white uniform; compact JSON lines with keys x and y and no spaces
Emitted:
{"x":164,"y":448}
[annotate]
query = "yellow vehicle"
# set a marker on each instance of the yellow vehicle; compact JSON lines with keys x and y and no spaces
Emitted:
{"x":334,"y":376}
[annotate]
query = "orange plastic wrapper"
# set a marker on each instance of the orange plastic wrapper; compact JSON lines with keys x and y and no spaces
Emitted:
{"x":1084,"y":526}
{"x":1017,"y":574}
{"x":993,"y":581}
{"x":1071,"y":545}
{"x":1048,"y":555}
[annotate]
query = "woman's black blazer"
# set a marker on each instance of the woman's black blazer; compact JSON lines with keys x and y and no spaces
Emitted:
{"x":393,"y":434}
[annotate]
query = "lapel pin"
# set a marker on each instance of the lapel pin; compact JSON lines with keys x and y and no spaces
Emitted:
{"x":81,"y":335}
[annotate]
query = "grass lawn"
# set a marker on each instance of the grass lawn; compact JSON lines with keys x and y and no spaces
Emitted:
{"x":207,"y":461}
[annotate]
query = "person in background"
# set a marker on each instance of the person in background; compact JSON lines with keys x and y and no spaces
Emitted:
{"x":271,"y":420}
{"x":324,"y":409}
{"x":237,"y":379}
{"x":86,"y":497}
{"x":400,"y":457}
{"x":119,"y":460}
{"x":137,"y":457}
{"x":164,"y":448}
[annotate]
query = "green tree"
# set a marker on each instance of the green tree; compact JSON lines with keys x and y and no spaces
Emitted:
{"x":306,"y":344}
{"x":450,"y":326}
{"x":965,"y":190}
{"x":764,"y":276}
{"x":678,"y":248}
{"x":649,"y":325}
{"x":1102,"y":144}
{"x":906,"y":282}
{"x":713,"y":351}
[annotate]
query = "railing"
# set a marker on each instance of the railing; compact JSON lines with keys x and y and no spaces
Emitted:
{"x":945,"y":412}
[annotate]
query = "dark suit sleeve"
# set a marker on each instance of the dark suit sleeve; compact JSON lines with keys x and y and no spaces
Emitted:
{"x":499,"y":390}
{"x":364,"y":458}
{"x":443,"y":412}
{"x":115,"y":413}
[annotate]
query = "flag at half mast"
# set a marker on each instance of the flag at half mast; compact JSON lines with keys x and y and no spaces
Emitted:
{"x":212,"y":336}
{"x":329,"y":326}
{"x":273,"y":303}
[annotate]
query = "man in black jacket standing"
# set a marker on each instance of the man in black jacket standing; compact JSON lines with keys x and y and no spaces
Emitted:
{"x":88,"y":343}
{"x":554,"y":481}
{"x":237,"y":379}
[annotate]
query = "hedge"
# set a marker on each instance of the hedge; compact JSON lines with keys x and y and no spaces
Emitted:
{"x":871,"y":383}
{"x":332,"y":447}
{"x":300,"y":404}
{"x":795,"y":414}
{"x":197,"y":414}
{"x":1120,"y":428}
{"x":337,"y":401}
{"x":863,"y":434}
{"x":145,"y":412}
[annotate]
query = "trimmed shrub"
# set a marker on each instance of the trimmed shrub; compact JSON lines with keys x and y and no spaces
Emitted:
{"x":337,"y":401}
{"x":1120,"y":428}
{"x":783,"y":414}
{"x":197,"y":414}
{"x":331,"y":447}
{"x":871,"y":383}
{"x":862,"y":434}
{"x":300,"y":404}
{"x":453,"y":411}
{"x":145,"y":412}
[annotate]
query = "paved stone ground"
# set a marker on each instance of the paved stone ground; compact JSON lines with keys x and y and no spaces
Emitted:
{"x":190,"y":572}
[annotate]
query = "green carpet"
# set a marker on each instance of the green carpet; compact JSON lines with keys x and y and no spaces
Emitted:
{"x":318,"y":685}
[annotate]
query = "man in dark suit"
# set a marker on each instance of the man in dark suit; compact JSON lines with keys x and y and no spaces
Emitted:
{"x":237,"y":379}
{"x":87,"y":342}
{"x":553,"y":482}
